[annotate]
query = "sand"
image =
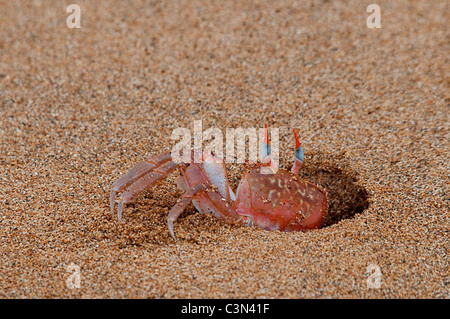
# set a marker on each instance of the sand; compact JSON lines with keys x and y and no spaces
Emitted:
{"x":79,"y":107}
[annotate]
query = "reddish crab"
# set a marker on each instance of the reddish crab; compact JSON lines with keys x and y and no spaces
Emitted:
{"x":276,"y":201}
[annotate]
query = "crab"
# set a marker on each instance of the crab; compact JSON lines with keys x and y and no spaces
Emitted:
{"x":267,"y":197}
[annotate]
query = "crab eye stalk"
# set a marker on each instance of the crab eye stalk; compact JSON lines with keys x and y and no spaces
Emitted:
{"x":266,"y":157}
{"x":265,"y":148}
{"x":298,"y":154}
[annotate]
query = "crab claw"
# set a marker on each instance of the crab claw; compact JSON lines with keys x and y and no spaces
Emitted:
{"x":298,"y":154}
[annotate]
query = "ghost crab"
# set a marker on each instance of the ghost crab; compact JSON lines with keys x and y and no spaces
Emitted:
{"x":267,"y":197}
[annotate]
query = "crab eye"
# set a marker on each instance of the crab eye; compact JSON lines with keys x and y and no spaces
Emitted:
{"x":265,"y":148}
{"x":299,"y":154}
{"x":298,"y":148}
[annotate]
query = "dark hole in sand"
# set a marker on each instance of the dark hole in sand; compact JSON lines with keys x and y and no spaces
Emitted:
{"x":347,"y":198}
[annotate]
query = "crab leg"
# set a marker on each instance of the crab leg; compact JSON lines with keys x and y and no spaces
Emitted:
{"x":210,"y":201}
{"x":135,"y":173}
{"x":207,"y":198}
{"x":141,"y":177}
{"x":139,"y":170}
{"x":144,"y":183}
{"x":178,"y":209}
{"x":127,"y":179}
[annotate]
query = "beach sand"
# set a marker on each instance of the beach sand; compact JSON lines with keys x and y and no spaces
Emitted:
{"x":81,"y":106}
